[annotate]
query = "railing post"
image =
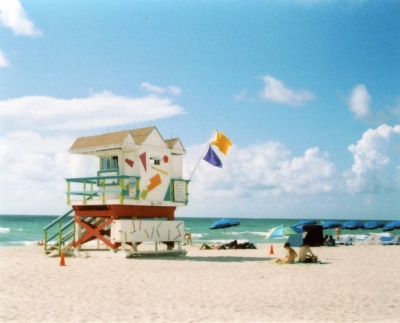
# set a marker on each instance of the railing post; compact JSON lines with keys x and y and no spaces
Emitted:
{"x":84,"y":191}
{"x":91,"y":190}
{"x":45,"y":240}
{"x":103,"y":184}
{"x":59,"y":242}
{"x":121,"y":193}
{"x":68,"y":190}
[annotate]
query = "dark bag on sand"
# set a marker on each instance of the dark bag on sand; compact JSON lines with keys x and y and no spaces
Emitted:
{"x":308,"y":260}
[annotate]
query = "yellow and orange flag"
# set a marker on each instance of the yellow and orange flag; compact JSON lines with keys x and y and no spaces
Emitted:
{"x":222,"y":142}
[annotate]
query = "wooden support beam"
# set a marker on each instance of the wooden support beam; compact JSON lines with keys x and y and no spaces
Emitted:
{"x":93,"y":232}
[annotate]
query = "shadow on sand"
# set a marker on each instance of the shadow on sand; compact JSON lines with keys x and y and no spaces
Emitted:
{"x":202,"y":258}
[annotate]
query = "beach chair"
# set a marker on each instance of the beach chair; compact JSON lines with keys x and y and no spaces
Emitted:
{"x":345,"y":241}
{"x":370,"y":240}
{"x":389,"y":240}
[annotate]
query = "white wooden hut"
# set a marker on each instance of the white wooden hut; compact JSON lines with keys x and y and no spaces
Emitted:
{"x":139,"y":177}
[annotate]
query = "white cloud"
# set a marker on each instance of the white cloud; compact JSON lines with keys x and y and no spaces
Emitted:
{"x":376,"y":165}
{"x":33,"y":169}
{"x":99,"y":110}
{"x":262,"y":170}
{"x":359,"y":101}
{"x":13,"y":16}
{"x":276,"y":91}
{"x":160,"y":90}
{"x":3,"y":60}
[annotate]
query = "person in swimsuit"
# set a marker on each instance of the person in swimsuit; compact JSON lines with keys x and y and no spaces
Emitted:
{"x":290,"y":256}
{"x":338,"y":231}
{"x":306,"y":255}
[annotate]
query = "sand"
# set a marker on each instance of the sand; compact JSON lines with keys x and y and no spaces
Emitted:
{"x":354,"y":284}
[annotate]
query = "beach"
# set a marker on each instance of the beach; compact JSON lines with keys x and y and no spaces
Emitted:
{"x":353,"y":284}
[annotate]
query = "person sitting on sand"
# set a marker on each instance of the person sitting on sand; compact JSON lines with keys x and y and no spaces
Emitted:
{"x":289,"y":258}
{"x":325,"y":240}
{"x":306,"y":255}
{"x":330,"y":242}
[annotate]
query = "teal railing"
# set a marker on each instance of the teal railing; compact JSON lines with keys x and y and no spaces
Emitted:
{"x":56,"y":231}
{"x":98,"y":186}
{"x":60,"y":231}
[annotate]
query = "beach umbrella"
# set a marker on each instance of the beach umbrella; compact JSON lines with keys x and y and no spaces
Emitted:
{"x":304,"y":222}
{"x":281,"y":232}
{"x":223,"y":224}
{"x":371,"y":225}
{"x":331,"y":225}
{"x":391,"y":226}
{"x":352,"y":225}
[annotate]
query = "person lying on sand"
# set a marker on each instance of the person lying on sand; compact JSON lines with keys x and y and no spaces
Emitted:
{"x":205,"y":246}
{"x":306,"y":255}
{"x":230,"y":245}
{"x":291,"y":254}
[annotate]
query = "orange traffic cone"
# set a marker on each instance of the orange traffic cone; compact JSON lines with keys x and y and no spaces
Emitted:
{"x":62,"y":261}
{"x":271,"y":250}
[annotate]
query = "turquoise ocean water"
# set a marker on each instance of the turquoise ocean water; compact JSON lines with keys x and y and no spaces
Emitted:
{"x":20,"y":230}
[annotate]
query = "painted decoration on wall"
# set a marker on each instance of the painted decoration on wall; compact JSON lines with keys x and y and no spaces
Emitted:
{"x":160,"y":170}
{"x":129,"y":162}
{"x":147,"y":231}
{"x":165,"y":159}
{"x":143,"y":159}
{"x":154,"y":182}
{"x":167,"y":196}
{"x":144,"y":193}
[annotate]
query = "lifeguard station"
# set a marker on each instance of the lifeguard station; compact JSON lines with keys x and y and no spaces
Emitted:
{"x":132,"y":198}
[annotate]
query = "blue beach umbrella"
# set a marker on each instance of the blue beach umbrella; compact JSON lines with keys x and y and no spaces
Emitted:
{"x":371,"y":225}
{"x":281,"y":232}
{"x":352,"y":225}
{"x":223,"y":224}
{"x":391,"y":226}
{"x":304,"y":222}
{"x":331,"y":225}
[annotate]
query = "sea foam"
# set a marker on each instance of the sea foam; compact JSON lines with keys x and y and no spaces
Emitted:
{"x":4,"y":230}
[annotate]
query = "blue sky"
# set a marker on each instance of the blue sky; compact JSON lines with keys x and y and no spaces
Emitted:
{"x":307,"y":91}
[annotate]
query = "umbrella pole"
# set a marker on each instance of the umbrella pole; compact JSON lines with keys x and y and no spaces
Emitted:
{"x":226,"y":242}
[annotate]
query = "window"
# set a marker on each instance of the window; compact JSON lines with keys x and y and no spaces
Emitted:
{"x":154,"y":161}
{"x":109,"y":163}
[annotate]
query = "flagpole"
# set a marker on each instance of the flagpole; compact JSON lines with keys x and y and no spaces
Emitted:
{"x":208,"y":144}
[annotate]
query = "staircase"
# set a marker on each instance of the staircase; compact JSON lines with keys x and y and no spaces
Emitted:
{"x":60,"y":238}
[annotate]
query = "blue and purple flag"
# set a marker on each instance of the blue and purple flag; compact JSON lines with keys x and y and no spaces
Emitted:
{"x":212,"y":158}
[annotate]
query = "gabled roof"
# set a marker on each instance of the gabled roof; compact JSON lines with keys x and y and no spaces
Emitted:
{"x":171,"y":142}
{"x":141,"y":134}
{"x":174,"y":143}
{"x":111,"y":139}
